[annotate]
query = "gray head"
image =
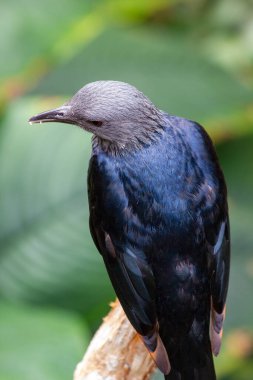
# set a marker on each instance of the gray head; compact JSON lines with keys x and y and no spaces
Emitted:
{"x":116,"y":112}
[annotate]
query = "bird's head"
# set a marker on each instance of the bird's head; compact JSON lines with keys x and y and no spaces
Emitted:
{"x":116,"y":112}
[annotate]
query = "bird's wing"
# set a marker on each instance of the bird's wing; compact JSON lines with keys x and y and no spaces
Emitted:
{"x":216,"y":223}
{"x":220,"y":262}
{"x":128,"y":267}
{"x":133,"y":282}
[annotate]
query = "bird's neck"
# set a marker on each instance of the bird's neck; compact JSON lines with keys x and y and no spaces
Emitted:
{"x":137,"y":136}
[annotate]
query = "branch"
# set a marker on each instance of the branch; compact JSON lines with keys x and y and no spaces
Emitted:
{"x":115,"y":352}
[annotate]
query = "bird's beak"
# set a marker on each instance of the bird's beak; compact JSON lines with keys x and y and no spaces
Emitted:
{"x":60,"y":115}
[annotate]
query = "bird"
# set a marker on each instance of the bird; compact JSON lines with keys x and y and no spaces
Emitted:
{"x":159,"y":218}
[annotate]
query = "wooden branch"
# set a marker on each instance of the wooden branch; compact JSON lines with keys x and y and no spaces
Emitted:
{"x":115,"y":352}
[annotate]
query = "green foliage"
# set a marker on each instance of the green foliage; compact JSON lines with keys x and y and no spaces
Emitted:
{"x":47,"y":259}
{"x":29,"y":31}
{"x":47,"y":253}
{"x":39,"y":343}
{"x":163,"y":65}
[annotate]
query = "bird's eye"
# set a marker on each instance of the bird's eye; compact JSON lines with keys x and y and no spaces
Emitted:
{"x":96,"y":123}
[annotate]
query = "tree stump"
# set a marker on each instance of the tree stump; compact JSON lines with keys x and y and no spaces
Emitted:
{"x":115,"y":352}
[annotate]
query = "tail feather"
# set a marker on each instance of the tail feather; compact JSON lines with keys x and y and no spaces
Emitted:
{"x":216,"y":329}
{"x":156,"y":348}
{"x":192,"y":362}
{"x":160,"y":357}
{"x":206,"y":373}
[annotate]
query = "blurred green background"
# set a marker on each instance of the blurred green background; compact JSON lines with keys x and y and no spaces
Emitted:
{"x":193,"y":59}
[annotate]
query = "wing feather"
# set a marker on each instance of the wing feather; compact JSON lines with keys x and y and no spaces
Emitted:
{"x":219,"y":284}
{"x":134,"y":284}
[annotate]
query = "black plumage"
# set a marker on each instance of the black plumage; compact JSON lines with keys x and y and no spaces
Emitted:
{"x":159,"y":218}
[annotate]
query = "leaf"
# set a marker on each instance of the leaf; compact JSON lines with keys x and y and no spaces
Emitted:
{"x":39,"y":344}
{"x":166,"y":66}
{"x":38,"y":26}
{"x":235,"y":360}
{"x":47,"y":256}
{"x":48,"y":40}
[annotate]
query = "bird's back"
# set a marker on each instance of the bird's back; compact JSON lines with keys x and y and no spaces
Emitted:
{"x":157,"y":202}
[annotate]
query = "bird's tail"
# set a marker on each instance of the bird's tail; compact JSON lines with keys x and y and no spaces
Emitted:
{"x":194,"y":364}
{"x":192,"y":374}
